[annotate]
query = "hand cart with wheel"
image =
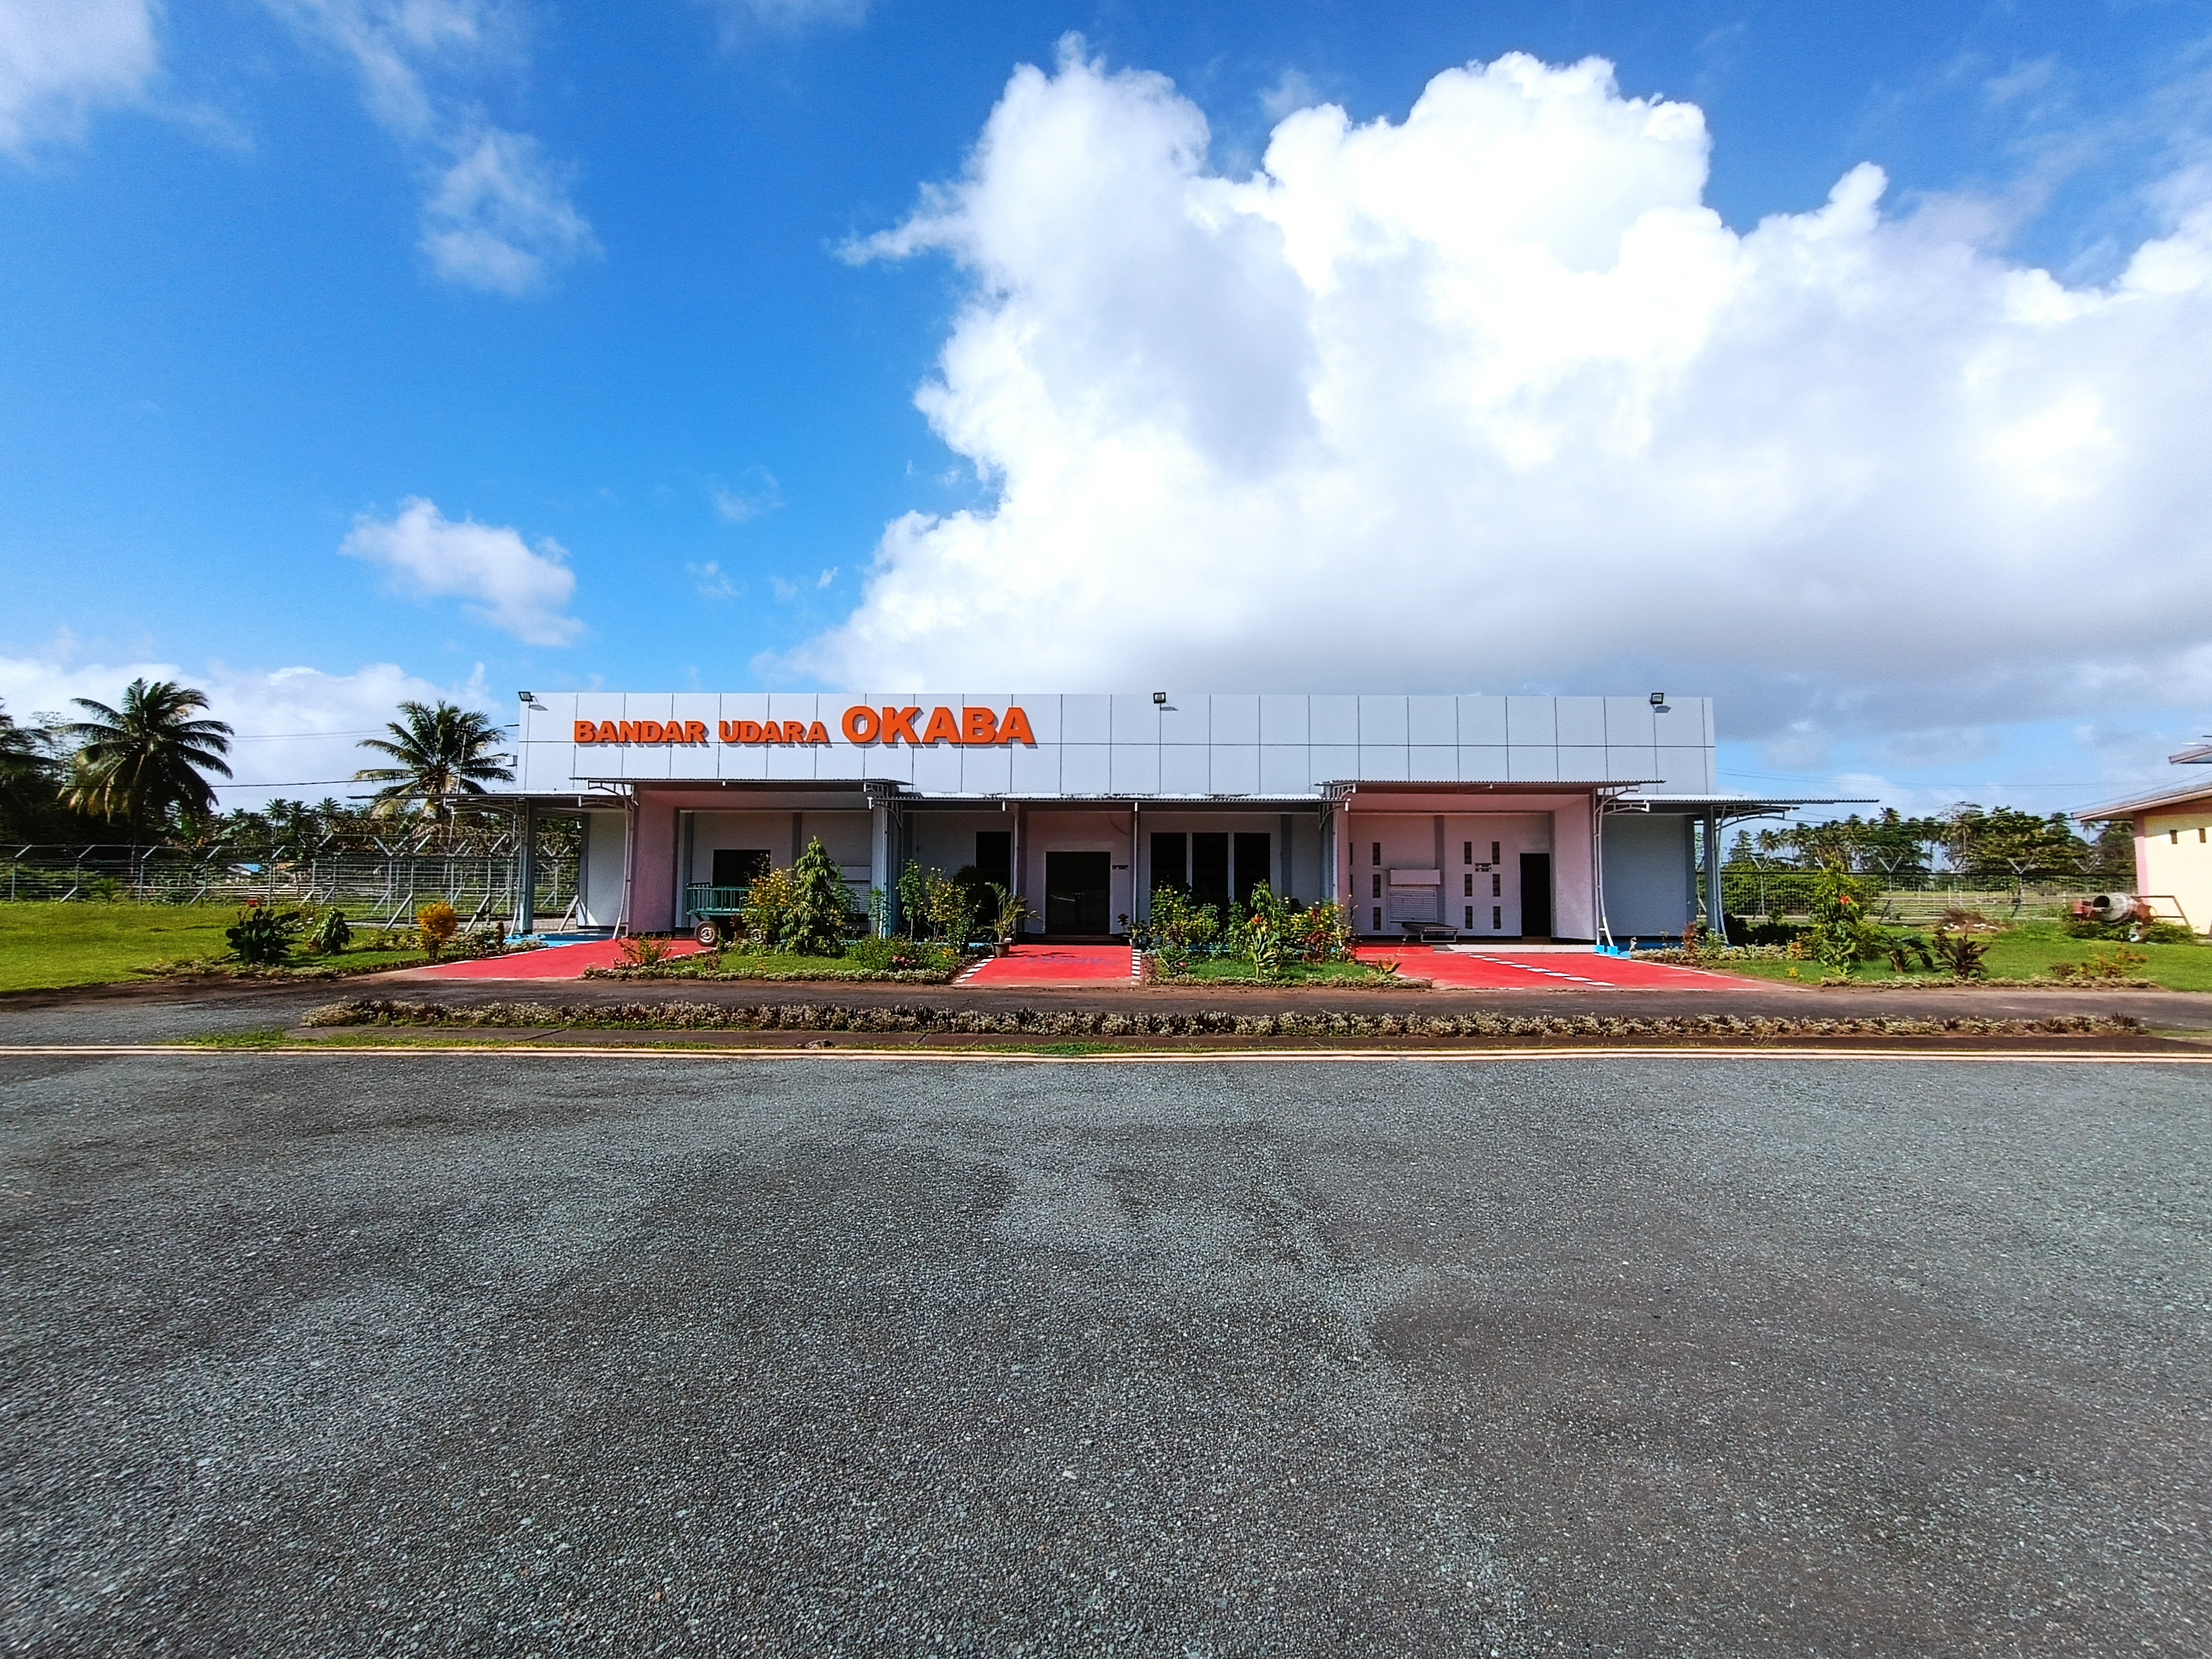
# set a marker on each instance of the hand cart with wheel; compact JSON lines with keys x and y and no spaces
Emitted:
{"x":711,"y":912}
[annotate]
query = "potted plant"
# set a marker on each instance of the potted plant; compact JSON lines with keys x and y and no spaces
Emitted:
{"x":1007,"y":922}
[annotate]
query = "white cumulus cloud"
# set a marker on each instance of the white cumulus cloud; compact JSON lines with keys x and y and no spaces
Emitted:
{"x":61,"y":59}
{"x":501,"y":218}
{"x":741,"y":18}
{"x":1487,"y":398}
{"x":297,"y":729}
{"x":497,"y":214}
{"x":503,"y":580}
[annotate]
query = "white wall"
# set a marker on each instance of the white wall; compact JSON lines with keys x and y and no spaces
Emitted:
{"x":1409,"y":841}
{"x":599,"y":873}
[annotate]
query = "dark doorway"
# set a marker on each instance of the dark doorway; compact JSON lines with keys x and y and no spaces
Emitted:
{"x":1078,"y":893}
{"x":1209,"y":868}
{"x":1255,"y":864}
{"x":994,"y":856}
{"x":1170,"y":859}
{"x":1536,"y":896}
{"x":739,"y":866}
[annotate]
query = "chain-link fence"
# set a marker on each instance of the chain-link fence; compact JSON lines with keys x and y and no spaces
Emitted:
{"x":377,"y":885}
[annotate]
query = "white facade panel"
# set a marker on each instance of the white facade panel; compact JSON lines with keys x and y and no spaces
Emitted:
{"x":1086,"y":769}
{"x":1036,"y":771}
{"x":1381,"y":722}
{"x":987,"y":771}
{"x":1284,"y":769}
{"x":1236,"y":769}
{"x":937,"y":770}
{"x":1086,"y":719}
{"x":1236,"y":719}
{"x":1481,"y":722}
{"x":793,"y":761}
{"x":1187,"y":718}
{"x":1581,"y":722}
{"x":1531,"y":722}
{"x":1136,"y":719}
{"x":1136,"y":769}
{"x":1333,"y":763}
{"x":1043,"y":710}
{"x":1685,"y":772}
{"x":1629,"y":721}
{"x":1333,"y":720}
{"x":1432,"y":720}
{"x":1196,"y":744}
{"x":1185,"y":769}
{"x":1283,"y":720}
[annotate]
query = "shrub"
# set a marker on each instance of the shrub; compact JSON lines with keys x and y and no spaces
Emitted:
{"x":437,"y":923}
{"x":1322,"y":932}
{"x":488,"y":940}
{"x":262,"y":936}
{"x":643,"y":950}
{"x":901,"y":956}
{"x":1842,"y":935}
{"x":333,"y":934}
{"x":1260,"y":938}
{"x":1908,"y":953}
{"x":1178,"y":929}
{"x":821,"y":918}
{"x":2132,"y":932}
{"x":1961,"y":953}
{"x":769,"y":902}
{"x":805,"y":910}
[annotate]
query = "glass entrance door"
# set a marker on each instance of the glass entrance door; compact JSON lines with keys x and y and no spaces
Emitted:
{"x":1078,"y":893}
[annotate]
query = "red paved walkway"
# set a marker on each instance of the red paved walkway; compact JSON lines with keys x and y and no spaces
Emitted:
{"x":554,"y":962}
{"x":1538,"y":971}
{"x":1057,"y":964}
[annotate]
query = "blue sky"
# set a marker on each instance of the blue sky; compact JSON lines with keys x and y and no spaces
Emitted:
{"x":646,"y":363}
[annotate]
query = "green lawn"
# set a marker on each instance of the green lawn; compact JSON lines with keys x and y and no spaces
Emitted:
{"x":731,"y":964}
{"x":48,"y":947}
{"x":2027,"y":952}
{"x":1237,"y":970}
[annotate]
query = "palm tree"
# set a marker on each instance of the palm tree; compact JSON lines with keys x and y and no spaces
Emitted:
{"x":27,"y":763}
{"x":442,"y":752}
{"x":142,"y":762}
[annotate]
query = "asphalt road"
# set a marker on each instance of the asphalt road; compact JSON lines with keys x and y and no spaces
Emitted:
{"x":350,"y":1355}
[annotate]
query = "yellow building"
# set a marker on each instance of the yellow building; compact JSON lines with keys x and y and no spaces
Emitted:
{"x":2173,"y":844}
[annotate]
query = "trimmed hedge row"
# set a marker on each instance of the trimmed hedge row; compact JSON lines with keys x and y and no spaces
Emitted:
{"x":1030,"y":1022}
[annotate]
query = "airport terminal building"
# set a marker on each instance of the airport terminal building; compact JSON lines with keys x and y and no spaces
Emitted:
{"x":1485,"y":817}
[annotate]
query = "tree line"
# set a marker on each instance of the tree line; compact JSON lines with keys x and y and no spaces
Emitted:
{"x":144,"y":768}
{"x":1988,"y":849}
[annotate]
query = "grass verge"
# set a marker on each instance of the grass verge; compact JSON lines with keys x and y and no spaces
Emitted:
{"x":1234,"y":970}
{"x":728,"y":965}
{"x":2021,"y":954}
{"x":46,"y":946}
